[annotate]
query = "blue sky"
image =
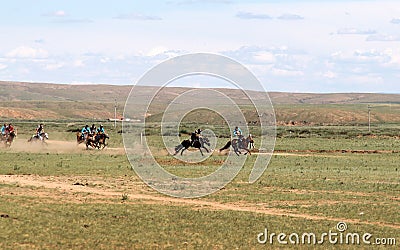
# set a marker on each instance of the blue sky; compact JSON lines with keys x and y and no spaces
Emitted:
{"x":296,"y":46}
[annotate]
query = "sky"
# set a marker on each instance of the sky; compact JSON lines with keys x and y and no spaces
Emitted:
{"x":293,"y":46}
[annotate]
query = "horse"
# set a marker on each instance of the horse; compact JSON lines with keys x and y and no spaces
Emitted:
{"x":8,"y":139}
{"x":101,"y":140}
{"x":43,"y":137}
{"x":238,"y":144}
{"x":196,"y":144}
{"x":82,"y":138}
{"x":97,"y":141}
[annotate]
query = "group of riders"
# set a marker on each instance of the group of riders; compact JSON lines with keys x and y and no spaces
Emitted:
{"x":237,"y":134}
{"x":197,"y":140}
{"x":92,"y":131}
{"x":92,"y":136}
{"x":7,"y":134}
{"x":7,"y":130}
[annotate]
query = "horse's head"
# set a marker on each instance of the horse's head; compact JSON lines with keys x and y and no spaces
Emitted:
{"x":46,"y":135}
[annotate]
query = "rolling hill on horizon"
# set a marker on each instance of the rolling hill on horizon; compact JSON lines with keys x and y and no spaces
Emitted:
{"x":47,"y":101}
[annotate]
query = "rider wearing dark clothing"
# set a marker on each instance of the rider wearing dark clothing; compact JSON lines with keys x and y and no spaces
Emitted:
{"x":93,"y":129}
{"x":39,"y":131}
{"x":195,"y":135}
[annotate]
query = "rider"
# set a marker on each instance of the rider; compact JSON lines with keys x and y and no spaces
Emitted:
{"x":195,"y":135}
{"x":3,"y":129}
{"x":100,"y":130}
{"x":40,"y":131}
{"x":237,"y":133}
{"x":10,"y":129}
{"x":93,"y":129}
{"x":85,"y":130}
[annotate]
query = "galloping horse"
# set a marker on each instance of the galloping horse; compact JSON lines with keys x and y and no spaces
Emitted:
{"x":43,"y":137}
{"x":97,"y":141}
{"x":238,"y":144}
{"x":81,"y":138}
{"x":196,"y":144}
{"x":8,"y":139}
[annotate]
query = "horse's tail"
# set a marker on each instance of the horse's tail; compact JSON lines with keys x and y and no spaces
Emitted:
{"x":228,"y":144}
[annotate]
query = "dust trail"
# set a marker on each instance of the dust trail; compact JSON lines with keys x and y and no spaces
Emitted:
{"x":52,"y":146}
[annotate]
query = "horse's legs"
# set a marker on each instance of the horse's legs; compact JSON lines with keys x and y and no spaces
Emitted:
{"x":183,"y":150}
{"x":206,"y":149}
{"x":201,"y":152}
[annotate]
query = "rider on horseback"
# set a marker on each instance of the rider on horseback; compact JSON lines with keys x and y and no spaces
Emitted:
{"x":195,"y":135}
{"x":3,"y":130}
{"x":85,"y":131}
{"x":10,"y":129}
{"x":40,"y":131}
{"x":93,"y":129}
{"x":100,"y":130}
{"x":237,"y":133}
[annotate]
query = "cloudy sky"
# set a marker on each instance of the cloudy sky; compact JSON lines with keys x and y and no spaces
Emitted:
{"x":290,"y":45}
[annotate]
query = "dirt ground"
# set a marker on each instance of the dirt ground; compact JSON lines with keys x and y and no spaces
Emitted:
{"x":87,"y":189}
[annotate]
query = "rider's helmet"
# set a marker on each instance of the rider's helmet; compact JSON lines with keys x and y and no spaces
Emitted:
{"x":86,"y":126}
{"x":236,"y":128}
{"x":101,"y":125}
{"x":198,"y":131}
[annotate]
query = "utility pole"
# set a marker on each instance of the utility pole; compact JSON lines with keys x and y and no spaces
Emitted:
{"x":115,"y":112}
{"x":369,"y":118}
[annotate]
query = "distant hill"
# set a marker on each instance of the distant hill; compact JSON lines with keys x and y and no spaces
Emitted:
{"x":22,"y":100}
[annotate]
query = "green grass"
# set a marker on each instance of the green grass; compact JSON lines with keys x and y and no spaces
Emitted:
{"x":362,"y":187}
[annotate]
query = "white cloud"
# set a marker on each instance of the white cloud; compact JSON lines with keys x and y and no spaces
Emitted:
{"x":137,"y":16}
{"x":383,"y":38}
{"x":355,"y":31}
{"x":264,"y":57}
{"x":54,"y":66}
{"x":249,"y":15}
{"x":188,"y":2}
{"x":27,"y":52}
{"x":157,"y":51}
{"x":74,"y":20}
{"x":288,"y":16}
{"x":58,"y":13}
{"x":395,"y":21}
{"x":78,"y":63}
{"x":285,"y":73}
{"x":329,"y":75}
{"x":3,"y":66}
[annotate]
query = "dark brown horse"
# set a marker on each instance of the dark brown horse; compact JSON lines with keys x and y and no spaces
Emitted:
{"x":97,"y":141}
{"x":8,"y":139}
{"x":239,"y":144}
{"x":195,"y":144}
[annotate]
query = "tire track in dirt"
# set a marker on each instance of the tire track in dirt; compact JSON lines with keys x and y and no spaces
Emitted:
{"x":44,"y":182}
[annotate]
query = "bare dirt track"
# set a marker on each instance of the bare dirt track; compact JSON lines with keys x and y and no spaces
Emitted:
{"x":61,"y":147}
{"x":90,"y":189}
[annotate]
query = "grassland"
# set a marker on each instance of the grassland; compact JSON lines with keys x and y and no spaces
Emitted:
{"x":57,"y":198}
{"x":327,"y":168}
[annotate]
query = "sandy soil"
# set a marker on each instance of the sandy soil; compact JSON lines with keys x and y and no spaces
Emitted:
{"x":89,"y":189}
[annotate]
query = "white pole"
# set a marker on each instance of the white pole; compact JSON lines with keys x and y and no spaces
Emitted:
{"x":115,"y":113}
{"x":369,"y":118}
{"x":141,"y":138}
